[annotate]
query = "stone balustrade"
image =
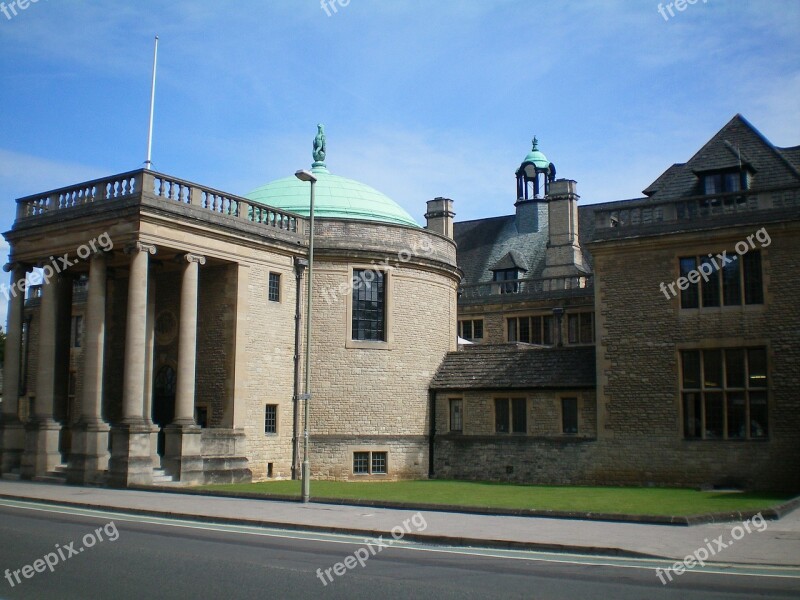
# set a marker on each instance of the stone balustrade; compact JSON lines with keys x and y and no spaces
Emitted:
{"x":156,"y":185}
{"x":575,"y":285}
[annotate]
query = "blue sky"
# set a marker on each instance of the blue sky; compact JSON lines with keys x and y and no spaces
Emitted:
{"x":420,"y":98}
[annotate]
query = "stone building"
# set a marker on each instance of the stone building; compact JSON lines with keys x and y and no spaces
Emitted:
{"x":168,"y":349}
{"x":684,"y":303}
{"x":651,"y":341}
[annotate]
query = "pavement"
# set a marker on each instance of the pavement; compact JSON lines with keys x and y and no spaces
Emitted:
{"x":768,"y":542}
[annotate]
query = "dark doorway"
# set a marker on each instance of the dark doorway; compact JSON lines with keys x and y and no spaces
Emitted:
{"x":163,"y":402}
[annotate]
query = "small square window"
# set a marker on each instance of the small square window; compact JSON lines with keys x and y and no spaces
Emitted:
{"x":456,"y":414}
{"x":361,"y":463}
{"x":378,"y":463}
{"x":271,"y":418}
{"x":274,"y":287}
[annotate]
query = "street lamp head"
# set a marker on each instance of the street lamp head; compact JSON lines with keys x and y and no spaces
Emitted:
{"x":303,"y":175}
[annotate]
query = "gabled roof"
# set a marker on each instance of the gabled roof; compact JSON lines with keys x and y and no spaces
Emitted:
{"x":738,"y":139}
{"x":516,"y":366}
{"x":511,"y":260}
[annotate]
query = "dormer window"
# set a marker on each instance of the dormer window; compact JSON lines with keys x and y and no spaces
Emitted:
{"x":725,"y":182}
{"x":509,"y":280}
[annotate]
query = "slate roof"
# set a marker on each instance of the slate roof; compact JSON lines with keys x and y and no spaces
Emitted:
{"x":737,"y":139}
{"x":516,"y":366}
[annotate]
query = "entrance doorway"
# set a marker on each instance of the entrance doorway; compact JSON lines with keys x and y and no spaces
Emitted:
{"x":163,"y":402}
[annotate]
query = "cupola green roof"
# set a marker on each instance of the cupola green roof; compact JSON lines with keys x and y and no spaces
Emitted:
{"x":334,"y":196}
{"x":536,"y":156}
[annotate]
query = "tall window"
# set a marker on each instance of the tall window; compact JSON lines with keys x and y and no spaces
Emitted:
{"x":569,"y":415}
{"x":369,"y":305}
{"x":510,"y":415}
{"x":531,"y":330}
{"x":710,"y":281}
{"x":507,"y":279}
{"x":581,"y":328}
{"x":724,"y":393}
{"x":274,"y":287}
{"x":271,"y":418}
{"x":456,"y":414}
{"x":471,"y":329}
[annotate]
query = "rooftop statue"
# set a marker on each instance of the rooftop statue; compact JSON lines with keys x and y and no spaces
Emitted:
{"x":319,"y":144}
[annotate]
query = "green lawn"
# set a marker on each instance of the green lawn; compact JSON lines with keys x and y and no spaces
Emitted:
{"x":617,"y":500}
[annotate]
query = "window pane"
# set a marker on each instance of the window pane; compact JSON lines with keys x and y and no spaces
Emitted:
{"x":710,"y":287}
{"x":477,"y":329}
{"x":519,"y":415}
{"x":572,"y":329}
{"x":274,"y":287}
{"x":536,"y":329}
{"x":368,"y":305}
{"x":731,"y":287}
{"x":689,"y":296}
{"x":692,"y":424}
{"x":360,"y":462}
{"x":757,"y":367}
{"x":715,"y":415}
{"x":737,"y":416}
{"x":525,"y":329}
{"x":758,"y":414}
{"x":712,"y":368}
{"x":379,"y":462}
{"x":691,"y":369}
{"x":587,"y":328}
{"x":456,"y":421}
{"x":732,"y":182}
{"x":512,"y":330}
{"x":547,"y":330}
{"x":753,"y":285}
{"x":569,"y":415}
{"x":501,"y":415}
{"x":734,"y":368}
{"x":466,"y":329}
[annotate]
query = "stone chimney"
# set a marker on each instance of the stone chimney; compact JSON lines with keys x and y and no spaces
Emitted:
{"x":440,"y":216}
{"x":563,"y":256}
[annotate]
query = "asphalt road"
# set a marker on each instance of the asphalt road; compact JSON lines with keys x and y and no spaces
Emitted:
{"x":108,"y":555}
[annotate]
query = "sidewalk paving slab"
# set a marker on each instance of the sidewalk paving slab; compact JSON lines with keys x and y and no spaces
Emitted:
{"x":778,"y":543}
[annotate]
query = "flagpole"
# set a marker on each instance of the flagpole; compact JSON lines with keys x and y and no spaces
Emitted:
{"x":147,"y":163}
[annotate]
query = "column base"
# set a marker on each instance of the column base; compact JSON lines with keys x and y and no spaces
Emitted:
{"x":12,"y":444}
{"x":88,"y":460}
{"x":41,"y":455}
{"x":183,"y":457}
{"x":131,"y":461}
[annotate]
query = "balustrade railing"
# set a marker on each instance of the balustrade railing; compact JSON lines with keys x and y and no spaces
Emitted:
{"x":528,"y":286}
{"x":149,"y":183}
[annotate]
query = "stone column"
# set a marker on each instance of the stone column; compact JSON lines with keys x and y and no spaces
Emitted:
{"x":12,"y":432}
{"x":182,"y":456}
{"x":148,"y":369}
{"x":41,"y":454}
{"x":131,"y":457}
{"x":89,"y":457}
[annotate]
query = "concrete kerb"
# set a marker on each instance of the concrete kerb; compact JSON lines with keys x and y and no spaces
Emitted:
{"x":772,"y":514}
{"x":411,"y":536}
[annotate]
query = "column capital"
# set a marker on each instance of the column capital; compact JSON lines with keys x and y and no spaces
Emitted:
{"x":189,"y":257}
{"x":140,"y":247}
{"x":11,"y":266}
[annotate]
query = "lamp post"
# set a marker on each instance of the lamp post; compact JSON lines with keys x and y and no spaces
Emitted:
{"x":308,"y":176}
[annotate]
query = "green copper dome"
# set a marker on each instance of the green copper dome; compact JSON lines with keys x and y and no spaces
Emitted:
{"x":334,"y":197}
{"x":536,"y":156}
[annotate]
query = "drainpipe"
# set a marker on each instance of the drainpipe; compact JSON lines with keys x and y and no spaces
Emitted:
{"x":431,"y":437}
{"x":300,"y":265}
